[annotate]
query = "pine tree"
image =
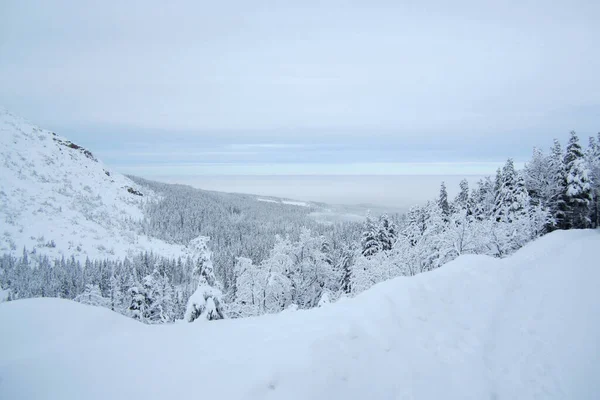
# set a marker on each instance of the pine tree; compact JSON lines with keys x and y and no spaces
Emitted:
{"x":578,"y":194}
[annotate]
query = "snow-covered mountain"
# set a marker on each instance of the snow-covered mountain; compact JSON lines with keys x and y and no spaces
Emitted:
{"x":523,"y":327}
{"x":57,"y":198}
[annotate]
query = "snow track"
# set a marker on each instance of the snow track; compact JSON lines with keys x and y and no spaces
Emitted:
{"x":524,"y":327}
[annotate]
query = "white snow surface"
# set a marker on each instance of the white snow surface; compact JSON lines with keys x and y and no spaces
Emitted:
{"x":266,"y":200}
{"x":523,"y":327}
{"x":282,"y":201}
{"x":55,"y":195}
{"x":295,"y":203}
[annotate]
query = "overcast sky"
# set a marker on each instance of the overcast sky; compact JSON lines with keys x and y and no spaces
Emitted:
{"x":303,"y":87}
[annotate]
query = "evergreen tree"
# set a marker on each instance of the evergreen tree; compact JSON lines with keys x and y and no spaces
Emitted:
{"x":462,"y":199}
{"x":484,"y":199}
{"x":92,"y":296}
{"x":205,"y":302}
{"x":538,"y":178}
{"x":556,"y":201}
{"x":387,"y":233}
{"x":370,"y":238}
{"x":511,"y":197}
{"x":443,"y":201}
{"x":593,"y":161}
{"x":247,"y":292}
{"x":137,"y":305}
{"x":345,"y":266}
{"x":578,"y":194}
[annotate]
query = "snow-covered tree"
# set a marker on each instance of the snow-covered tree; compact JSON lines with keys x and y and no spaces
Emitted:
{"x":138,"y":305}
{"x":387,"y":233}
{"x":160,"y":306}
{"x":578,"y":193}
{"x":368,"y":271}
{"x":593,"y":161}
{"x":538,"y":178}
{"x":345,"y":269}
{"x":443,"y":200}
{"x":279,"y":287}
{"x":92,"y":296}
{"x":205,"y":302}
{"x":248,"y":293}
{"x":462,"y":199}
{"x":556,"y":200}
{"x":117,"y":297}
{"x":370,"y":238}
{"x":484,"y":199}
{"x":512,"y":198}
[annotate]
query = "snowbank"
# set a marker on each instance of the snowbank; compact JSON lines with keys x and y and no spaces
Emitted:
{"x":478,"y":328}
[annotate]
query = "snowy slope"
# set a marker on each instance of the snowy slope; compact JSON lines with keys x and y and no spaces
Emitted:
{"x":523,"y":327}
{"x":57,"y":198}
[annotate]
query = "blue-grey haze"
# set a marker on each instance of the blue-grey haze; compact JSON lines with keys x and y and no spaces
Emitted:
{"x":188,"y":88}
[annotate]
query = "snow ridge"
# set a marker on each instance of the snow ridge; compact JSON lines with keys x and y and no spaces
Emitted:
{"x":57,"y":198}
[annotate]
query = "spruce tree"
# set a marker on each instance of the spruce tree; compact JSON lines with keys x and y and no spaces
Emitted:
{"x":593,"y":160}
{"x":370,"y":238}
{"x":443,"y":200}
{"x":556,"y":201}
{"x":578,"y":193}
{"x":462,"y":199}
{"x":386,"y":233}
{"x":205,"y":302}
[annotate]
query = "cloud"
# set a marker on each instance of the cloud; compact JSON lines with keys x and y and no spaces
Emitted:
{"x":286,"y":169}
{"x":304,"y":83}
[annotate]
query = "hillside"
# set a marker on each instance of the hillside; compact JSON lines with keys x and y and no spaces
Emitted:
{"x":57,"y":198}
{"x":526,"y":326}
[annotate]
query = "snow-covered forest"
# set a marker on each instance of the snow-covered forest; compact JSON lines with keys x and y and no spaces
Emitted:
{"x":248,"y":260}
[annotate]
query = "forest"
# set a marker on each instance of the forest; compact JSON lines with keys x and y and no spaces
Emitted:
{"x":250,"y":259}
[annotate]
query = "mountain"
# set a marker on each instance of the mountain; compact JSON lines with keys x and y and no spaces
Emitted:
{"x":58,"y":199}
{"x":524,"y":327}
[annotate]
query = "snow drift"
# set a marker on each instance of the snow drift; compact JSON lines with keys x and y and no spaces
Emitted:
{"x":478,"y":328}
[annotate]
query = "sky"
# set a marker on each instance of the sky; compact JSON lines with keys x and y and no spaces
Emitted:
{"x":189,"y":88}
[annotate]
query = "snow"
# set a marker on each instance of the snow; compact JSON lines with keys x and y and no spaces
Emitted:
{"x":525,"y":327}
{"x":3,"y":294}
{"x":295,"y":203}
{"x":59,"y":199}
{"x":267,"y":200}
{"x":281,"y":201}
